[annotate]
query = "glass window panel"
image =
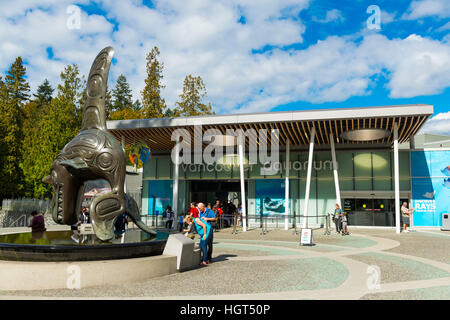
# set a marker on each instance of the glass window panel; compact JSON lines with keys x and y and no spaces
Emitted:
{"x":255,"y":171}
{"x":404,"y":164}
{"x":345,"y":165}
{"x":382,"y":183}
{"x":324,"y":165}
{"x":363,"y":164}
{"x":363,"y":184}
{"x":381,"y":164}
{"x":150,"y":168}
{"x":345,"y":183}
{"x":164,"y":167}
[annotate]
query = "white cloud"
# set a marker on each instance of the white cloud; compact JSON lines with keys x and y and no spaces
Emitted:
{"x":445,"y":27}
{"x":331,"y":15}
{"x":425,"y":8}
{"x":204,"y":37}
{"x":387,"y":17}
{"x":439,"y":124}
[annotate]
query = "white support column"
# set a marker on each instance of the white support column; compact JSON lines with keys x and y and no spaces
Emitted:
{"x":286,"y":187}
{"x":335,"y":172}
{"x":308,"y":178}
{"x":175,"y":183}
{"x":396,"y":181}
{"x":125,"y":178}
{"x":241,"y":140}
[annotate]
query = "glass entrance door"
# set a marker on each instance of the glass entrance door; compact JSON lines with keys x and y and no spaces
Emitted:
{"x":370,"y":212}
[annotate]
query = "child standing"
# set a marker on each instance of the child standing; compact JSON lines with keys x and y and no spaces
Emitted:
{"x":344,"y":224}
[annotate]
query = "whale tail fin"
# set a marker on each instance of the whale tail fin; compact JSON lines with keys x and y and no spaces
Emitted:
{"x":94,"y":113}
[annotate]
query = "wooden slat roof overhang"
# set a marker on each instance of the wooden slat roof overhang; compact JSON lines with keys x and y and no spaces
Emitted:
{"x":294,"y":126}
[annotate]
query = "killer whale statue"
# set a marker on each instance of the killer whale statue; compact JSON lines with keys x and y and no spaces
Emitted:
{"x":93,"y":154}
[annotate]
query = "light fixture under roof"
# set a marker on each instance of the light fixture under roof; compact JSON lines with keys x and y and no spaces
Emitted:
{"x":365,"y":134}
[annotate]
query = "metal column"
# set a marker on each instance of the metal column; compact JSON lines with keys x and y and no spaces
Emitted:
{"x":308,"y":177}
{"x":335,"y":173}
{"x":125,"y":179}
{"x":286,"y":187}
{"x":175,"y":183}
{"x":396,"y":181}
{"x":241,"y":140}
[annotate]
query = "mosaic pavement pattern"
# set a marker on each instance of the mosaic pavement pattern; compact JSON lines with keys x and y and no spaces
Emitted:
{"x":368,"y":264}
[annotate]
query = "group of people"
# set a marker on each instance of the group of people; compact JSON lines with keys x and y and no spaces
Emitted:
{"x":199,"y":219}
{"x":202,"y":219}
{"x":340,"y":220}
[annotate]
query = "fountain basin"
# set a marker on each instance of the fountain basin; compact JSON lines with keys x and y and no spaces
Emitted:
{"x":71,"y":246}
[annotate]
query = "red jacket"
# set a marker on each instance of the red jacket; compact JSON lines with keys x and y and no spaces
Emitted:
{"x":193,"y":212}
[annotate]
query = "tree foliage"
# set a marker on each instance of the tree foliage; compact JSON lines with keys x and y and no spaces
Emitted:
{"x":122,"y":96}
{"x":44,"y":93}
{"x":153,"y":104}
{"x":194,"y":91}
{"x":59,"y":122}
{"x":15,"y":93}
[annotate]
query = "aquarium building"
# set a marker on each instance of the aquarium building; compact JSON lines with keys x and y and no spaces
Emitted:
{"x":366,"y":159}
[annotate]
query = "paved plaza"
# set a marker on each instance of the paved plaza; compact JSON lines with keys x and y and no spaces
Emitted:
{"x":251,"y":265}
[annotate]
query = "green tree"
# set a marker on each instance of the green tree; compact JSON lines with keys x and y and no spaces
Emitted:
{"x":44,"y":93}
{"x":15,"y":93}
{"x":121,"y":94}
{"x":57,"y":124}
{"x":137,"y":105}
{"x":153,"y":104}
{"x":194,"y":91}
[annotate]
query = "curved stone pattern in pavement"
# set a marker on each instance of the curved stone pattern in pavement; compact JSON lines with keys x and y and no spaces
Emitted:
{"x":335,"y":268}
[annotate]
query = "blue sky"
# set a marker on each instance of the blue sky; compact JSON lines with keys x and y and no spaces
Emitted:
{"x":254,"y":55}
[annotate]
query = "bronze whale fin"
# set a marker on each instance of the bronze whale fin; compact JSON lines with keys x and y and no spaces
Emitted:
{"x":94,"y":114}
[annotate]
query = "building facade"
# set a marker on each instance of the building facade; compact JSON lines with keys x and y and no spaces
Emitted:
{"x":365,"y":159}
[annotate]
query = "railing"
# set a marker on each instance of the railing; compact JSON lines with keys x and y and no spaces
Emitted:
{"x":26,"y":205}
{"x":232,"y":221}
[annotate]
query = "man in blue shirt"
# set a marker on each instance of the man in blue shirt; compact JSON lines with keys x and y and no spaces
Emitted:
{"x":207,"y":215}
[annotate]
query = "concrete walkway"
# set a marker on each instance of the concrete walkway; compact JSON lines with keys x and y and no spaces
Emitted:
{"x":368,"y":264}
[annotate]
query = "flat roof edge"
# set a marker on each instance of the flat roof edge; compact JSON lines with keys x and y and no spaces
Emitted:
{"x":297,"y":115}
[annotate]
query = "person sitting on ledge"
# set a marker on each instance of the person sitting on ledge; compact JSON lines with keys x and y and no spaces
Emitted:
{"x":37,"y":223}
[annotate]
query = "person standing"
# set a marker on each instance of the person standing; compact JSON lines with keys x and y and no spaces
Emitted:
{"x":337,"y":218}
{"x":205,"y":231}
{"x":37,"y":222}
{"x":120,"y":224}
{"x":84,"y":216}
{"x":169,"y":215}
{"x":405,"y":216}
{"x":208,"y":216}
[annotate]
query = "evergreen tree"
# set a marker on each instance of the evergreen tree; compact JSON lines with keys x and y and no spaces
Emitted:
{"x":170,"y":113}
{"x":3,"y":145}
{"x":17,"y":86}
{"x":58,"y":123}
{"x":153,"y":104}
{"x":122,"y":95}
{"x":137,"y":105}
{"x":194,"y":91}
{"x":15,"y":95}
{"x":44,"y":93}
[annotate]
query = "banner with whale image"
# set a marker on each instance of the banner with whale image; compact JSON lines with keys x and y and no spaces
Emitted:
{"x":430,"y":172}
{"x":270,"y":197}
